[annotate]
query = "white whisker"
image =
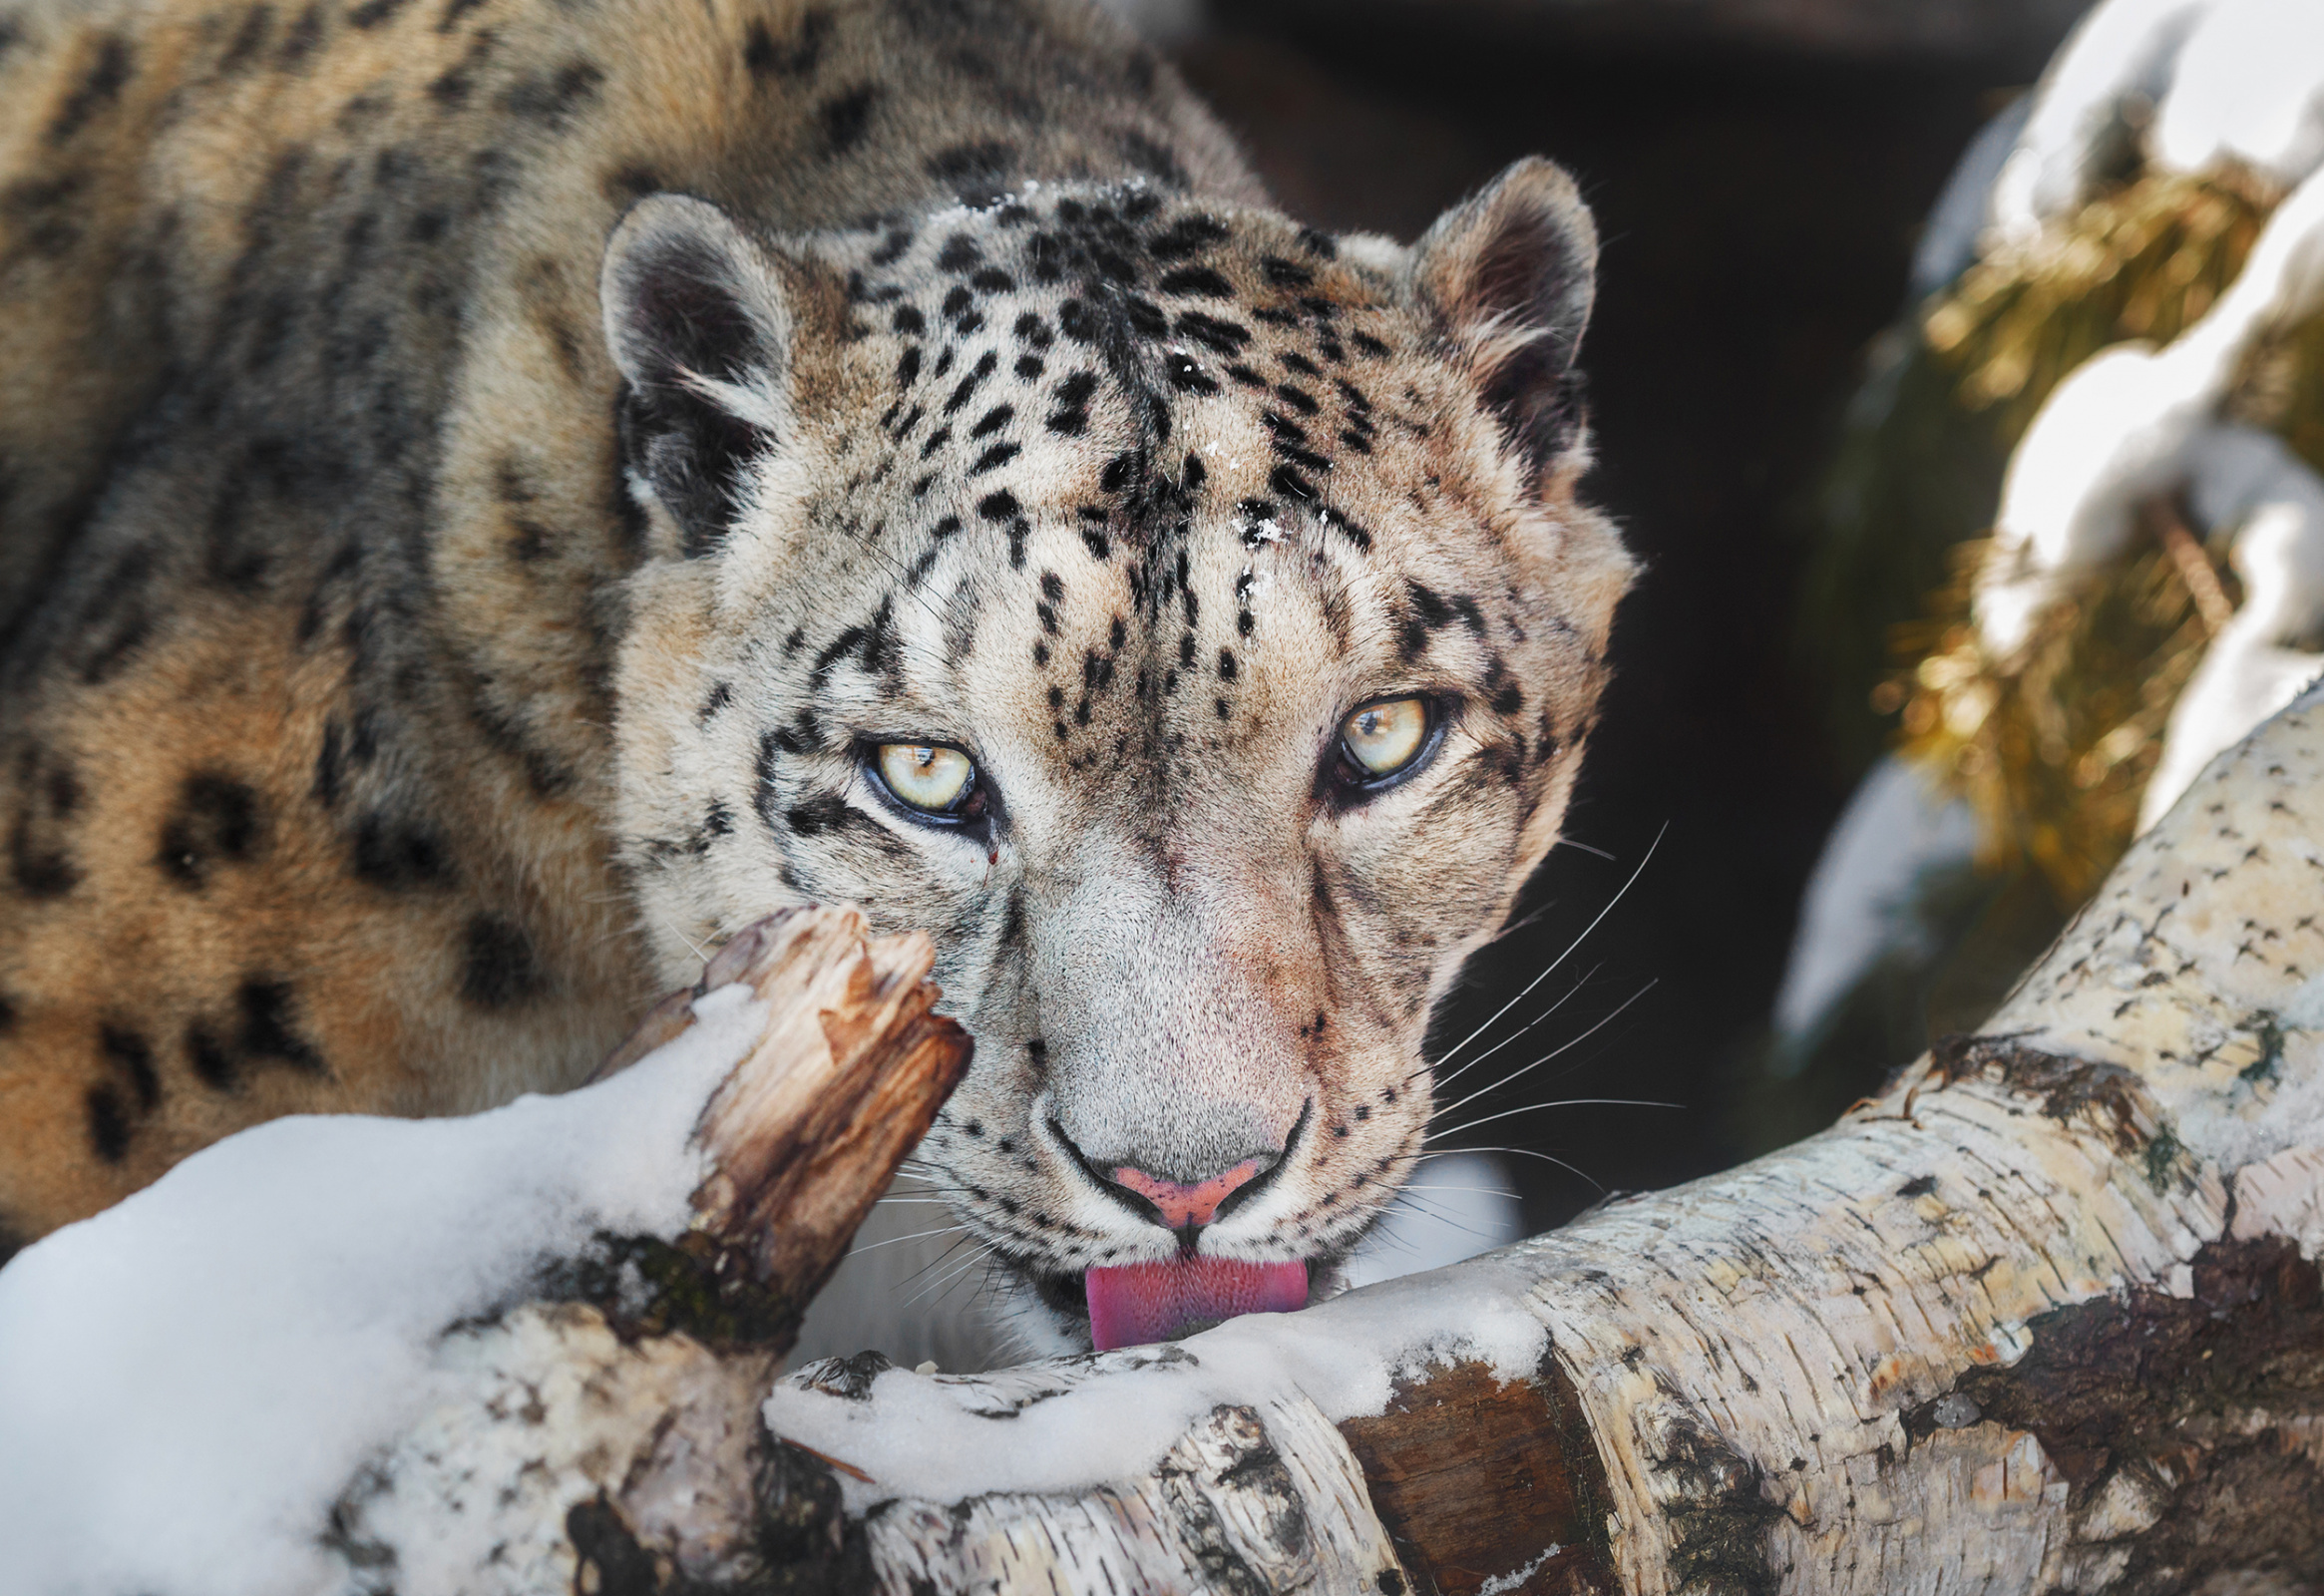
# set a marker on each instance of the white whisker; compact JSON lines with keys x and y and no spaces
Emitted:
{"x":1547,"y":1057}
{"x":918,"y":1235}
{"x":1447,"y":1057}
{"x":1565,"y":1102}
{"x":1439,"y":1085}
{"x":1519,"y":1152}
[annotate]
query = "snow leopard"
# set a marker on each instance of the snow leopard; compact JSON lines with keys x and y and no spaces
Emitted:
{"x":497,"y":495}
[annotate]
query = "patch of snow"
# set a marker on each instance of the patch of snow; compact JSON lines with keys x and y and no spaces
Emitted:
{"x":2134,"y":422}
{"x":1859,"y":904}
{"x":2117,"y":59}
{"x":1047,"y":1427}
{"x":2248,"y":479}
{"x":188,"y":1379}
{"x":2248,"y":87}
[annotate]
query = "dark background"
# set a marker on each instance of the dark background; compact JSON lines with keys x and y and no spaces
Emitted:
{"x":1759,"y":203}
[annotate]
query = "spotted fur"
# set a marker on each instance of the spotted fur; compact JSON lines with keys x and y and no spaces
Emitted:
{"x":479,"y":475}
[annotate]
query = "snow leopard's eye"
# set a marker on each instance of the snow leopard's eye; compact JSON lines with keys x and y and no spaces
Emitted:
{"x":1384,"y":737}
{"x":928,"y":777}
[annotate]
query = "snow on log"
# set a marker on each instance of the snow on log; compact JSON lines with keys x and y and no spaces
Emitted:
{"x":355,"y":1354}
{"x":2044,"y":1316}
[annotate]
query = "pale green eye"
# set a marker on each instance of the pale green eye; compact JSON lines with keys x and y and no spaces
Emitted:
{"x":1383,"y":738}
{"x":925,"y":776}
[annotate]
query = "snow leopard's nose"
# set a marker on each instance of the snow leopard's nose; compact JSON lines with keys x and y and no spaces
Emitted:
{"x":1174,"y":1201}
{"x":1181,"y":1204}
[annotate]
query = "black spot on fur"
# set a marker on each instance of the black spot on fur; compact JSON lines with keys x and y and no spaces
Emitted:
{"x":968,"y":385}
{"x":100,"y":87}
{"x":38,"y":859}
{"x":1188,"y":377}
{"x":497,"y":964}
{"x":976,"y":169}
{"x":1225,"y":337}
{"x":107,"y":1125}
{"x":212,"y":1064}
{"x":794,"y":59}
{"x":1198,"y":281}
{"x":826,"y":812}
{"x":847,"y":118}
{"x":1153,"y":158}
{"x":1186,"y":237}
{"x":1071,"y":417}
{"x":248,"y":38}
{"x":216,"y":817}
{"x":372,"y":13}
{"x":269,"y":1032}
{"x":133,"y":1056}
{"x":305,"y":34}
{"x":1286,"y":273}
{"x":555,"y":98}
{"x":329,"y":766}
{"x":399,"y":855}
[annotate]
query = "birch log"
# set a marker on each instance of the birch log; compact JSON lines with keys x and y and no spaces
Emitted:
{"x":2045,"y":1316}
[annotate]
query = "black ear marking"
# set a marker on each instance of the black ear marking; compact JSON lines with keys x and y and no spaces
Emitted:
{"x":696,"y":321}
{"x":1511,"y":276}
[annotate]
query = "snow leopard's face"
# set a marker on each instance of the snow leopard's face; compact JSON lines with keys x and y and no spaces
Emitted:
{"x":1184,"y":616}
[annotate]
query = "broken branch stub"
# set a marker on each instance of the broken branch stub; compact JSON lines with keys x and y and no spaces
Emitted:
{"x":807,"y":1132}
{"x":799,"y":1138}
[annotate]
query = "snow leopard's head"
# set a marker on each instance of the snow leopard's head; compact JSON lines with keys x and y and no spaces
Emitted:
{"x":1185,"y":615}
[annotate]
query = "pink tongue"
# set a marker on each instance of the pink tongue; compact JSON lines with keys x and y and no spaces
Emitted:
{"x":1133,"y":1304}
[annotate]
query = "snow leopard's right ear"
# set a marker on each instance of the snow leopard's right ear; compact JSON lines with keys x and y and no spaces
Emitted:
{"x":696,"y":321}
{"x":1510,"y":275}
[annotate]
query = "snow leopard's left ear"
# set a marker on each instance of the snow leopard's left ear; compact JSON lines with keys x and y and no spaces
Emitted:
{"x":696,"y":320}
{"x":1510,"y":275}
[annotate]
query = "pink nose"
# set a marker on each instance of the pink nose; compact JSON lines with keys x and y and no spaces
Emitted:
{"x":1184,"y":1205}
